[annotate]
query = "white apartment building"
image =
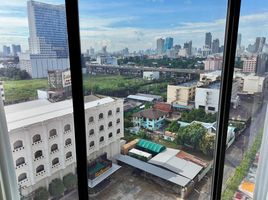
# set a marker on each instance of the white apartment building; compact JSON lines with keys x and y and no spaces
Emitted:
{"x":2,"y":92}
{"x":151,"y":75}
{"x":213,"y":63}
{"x":207,"y":97}
{"x":253,"y":84}
{"x":209,"y":77}
{"x":42,"y":137}
{"x":249,"y":64}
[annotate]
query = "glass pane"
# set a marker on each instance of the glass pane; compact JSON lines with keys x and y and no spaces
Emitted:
{"x":36,"y":88}
{"x":245,"y":170}
{"x":151,"y":83}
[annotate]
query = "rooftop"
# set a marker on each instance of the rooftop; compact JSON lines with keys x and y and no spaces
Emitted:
{"x":32,"y":112}
{"x":150,"y":113}
{"x":188,"y":84}
{"x":156,"y":97}
{"x":213,"y":85}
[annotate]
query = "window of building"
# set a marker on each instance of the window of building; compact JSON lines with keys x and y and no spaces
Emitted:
{"x":36,"y":138}
{"x":101,"y":116}
{"x":91,"y":132}
{"x":55,"y":161}
{"x":68,"y":155}
{"x":20,"y":161}
{"x":40,"y":168}
{"x":38,"y":154}
{"x":101,"y":128}
{"x":101,"y":139}
{"x":110,"y":113}
{"x":91,"y":144}
{"x":68,"y":141}
{"x":67,"y":127}
{"x":52,"y":133}
{"x":117,"y":110}
{"x":54,"y":147}
{"x":91,"y":119}
{"x":211,"y":108}
{"x":110,"y":124}
{"x":118,"y":121}
{"x":18,"y":144}
{"x":118,"y":131}
{"x":110,"y":134}
{"x":22,"y":177}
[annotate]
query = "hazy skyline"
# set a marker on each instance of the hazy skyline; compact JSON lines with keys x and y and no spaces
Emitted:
{"x":137,"y":24}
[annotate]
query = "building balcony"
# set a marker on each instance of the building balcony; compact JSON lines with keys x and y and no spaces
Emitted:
{"x":38,"y":158}
{"x":38,"y":142}
{"x":68,"y":145}
{"x":54,"y":151}
{"x":23,"y":181}
{"x":56,"y":165}
{"x":66,"y":132}
{"x":52,"y":137}
{"x":21,"y":166}
{"x":69,"y":159}
{"x":18,"y":149}
{"x":40,"y":173}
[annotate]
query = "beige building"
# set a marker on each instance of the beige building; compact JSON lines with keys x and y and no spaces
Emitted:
{"x":181,"y":94}
{"x":42,"y":137}
{"x":213,"y":63}
{"x":253,"y":84}
{"x":249,"y":64}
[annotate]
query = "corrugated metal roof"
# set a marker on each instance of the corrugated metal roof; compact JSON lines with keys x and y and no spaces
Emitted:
{"x":151,"y":146}
{"x":154,"y":170}
{"x":140,"y":98}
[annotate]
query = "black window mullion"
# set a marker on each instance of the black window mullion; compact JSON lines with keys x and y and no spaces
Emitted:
{"x":72,"y":16}
{"x":231,"y":30}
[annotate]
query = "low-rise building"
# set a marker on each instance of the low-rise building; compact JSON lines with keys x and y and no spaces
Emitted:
{"x":206,"y":78}
{"x":213,"y":63}
{"x":42,"y":137}
{"x":151,"y":75}
{"x":151,"y":119}
{"x":181,"y":94}
{"x":145,"y":97}
{"x":253,"y":84}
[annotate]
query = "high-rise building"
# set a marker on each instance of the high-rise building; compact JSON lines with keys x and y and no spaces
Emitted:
{"x":208,"y":40}
{"x":6,"y":50}
{"x":48,"y":29}
{"x":160,"y":45}
{"x":215,"y":46}
{"x":168,"y":43}
{"x":259,"y":44}
{"x":48,"y":40}
{"x":262,"y":64}
{"x":239,"y":38}
{"x":188,"y":47}
{"x":249,"y":64}
{"x":16,"y":49}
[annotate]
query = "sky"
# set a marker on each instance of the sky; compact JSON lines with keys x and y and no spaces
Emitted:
{"x":137,"y":24}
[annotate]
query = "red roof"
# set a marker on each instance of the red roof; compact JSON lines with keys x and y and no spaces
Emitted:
{"x":165,"y":107}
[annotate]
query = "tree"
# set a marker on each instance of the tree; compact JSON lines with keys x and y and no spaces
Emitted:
{"x":143,"y":135}
{"x":56,"y":188}
{"x":198,"y":115}
{"x":207,"y":144}
{"x":41,"y":194}
{"x":173,"y":127}
{"x":191,"y":135}
{"x":69,"y":181}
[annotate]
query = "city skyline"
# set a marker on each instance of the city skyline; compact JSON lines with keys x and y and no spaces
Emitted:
{"x":101,"y":23}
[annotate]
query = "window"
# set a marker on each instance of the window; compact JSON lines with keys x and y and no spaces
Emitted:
{"x":117,"y":110}
{"x":40,"y":168}
{"x":211,"y":108}
{"x":91,"y":144}
{"x":110,"y":113}
{"x":91,"y":119}
{"x":18,"y":144}
{"x":110,"y":124}
{"x":91,"y":132}
{"x":118,"y":121}
{"x":101,"y":139}
{"x":54,"y":147}
{"x":52,"y":133}
{"x":68,"y":141}
{"x":55,"y":161}
{"x":67,"y":128}
{"x":101,"y":116}
{"x":118,"y":131}
{"x":110,"y":135}
{"x":36,"y":138}
{"x":101,"y":128}
{"x":20,"y":161}
{"x":68,"y":155}
{"x":38,"y":154}
{"x":22,"y":177}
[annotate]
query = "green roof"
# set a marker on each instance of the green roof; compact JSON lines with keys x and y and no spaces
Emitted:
{"x":151,"y":146}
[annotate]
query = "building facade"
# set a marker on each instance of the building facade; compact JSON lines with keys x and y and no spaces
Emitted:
{"x":181,"y":94}
{"x":208,"y":40}
{"x":213,"y":63}
{"x":253,"y":84}
{"x":2,"y":92}
{"x":151,"y":75}
{"x":168,"y":43}
{"x":43,"y":143}
{"x":249,"y":64}
{"x":160,"y":45}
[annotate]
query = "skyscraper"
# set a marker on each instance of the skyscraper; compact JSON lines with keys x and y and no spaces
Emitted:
{"x":259,"y":44}
{"x":239,"y":38}
{"x":6,"y":50}
{"x":160,"y":45}
{"x":48,"y":30}
{"x":16,"y":49}
{"x":215,"y":46}
{"x":48,"y":40}
{"x":168,"y":43}
{"x":208,"y":40}
{"x":188,"y":47}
